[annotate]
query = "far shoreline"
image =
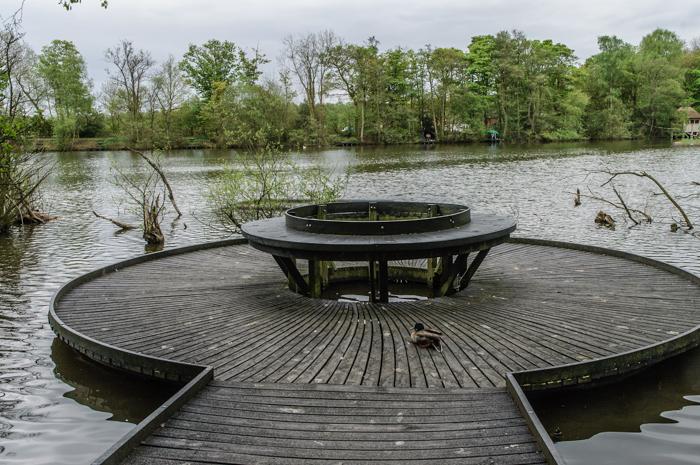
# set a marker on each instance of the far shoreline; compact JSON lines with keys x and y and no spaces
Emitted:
{"x":107,"y":144}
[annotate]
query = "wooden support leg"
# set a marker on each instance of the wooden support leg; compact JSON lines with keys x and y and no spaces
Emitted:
{"x":445,"y":277}
{"x":459,"y":268}
{"x":289,"y":268}
{"x":383,"y":281}
{"x":315,"y":278}
{"x":464,"y":280}
{"x":431,"y":264}
{"x":372,"y":281}
{"x":430,"y":272}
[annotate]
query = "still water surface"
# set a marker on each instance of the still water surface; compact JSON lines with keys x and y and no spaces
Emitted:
{"x":58,"y":408}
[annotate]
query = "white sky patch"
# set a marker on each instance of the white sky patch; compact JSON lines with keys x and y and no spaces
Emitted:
{"x":168,"y":26}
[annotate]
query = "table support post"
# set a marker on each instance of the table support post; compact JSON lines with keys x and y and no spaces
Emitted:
{"x":430,"y":272}
{"x":289,"y":268}
{"x":315,"y":278}
{"x":469,"y":274}
{"x":445,"y":277}
{"x":431,"y":264}
{"x":383,"y":281}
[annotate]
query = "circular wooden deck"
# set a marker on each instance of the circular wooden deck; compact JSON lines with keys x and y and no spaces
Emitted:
{"x":302,"y":380}
{"x":530,"y":306}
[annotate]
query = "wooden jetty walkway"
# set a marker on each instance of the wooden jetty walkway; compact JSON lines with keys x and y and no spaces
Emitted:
{"x":278,"y":378}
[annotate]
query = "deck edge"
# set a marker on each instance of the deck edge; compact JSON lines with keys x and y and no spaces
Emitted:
{"x":116,"y":357}
{"x":544,"y":441}
{"x":122,"y":448}
{"x":593,"y":372}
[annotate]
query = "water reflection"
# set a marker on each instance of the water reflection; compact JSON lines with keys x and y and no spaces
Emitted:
{"x":602,"y":425}
{"x":107,"y":390}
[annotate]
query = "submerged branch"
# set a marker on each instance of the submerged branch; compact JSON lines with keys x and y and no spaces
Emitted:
{"x":156,"y":167}
{"x":119,"y":224}
{"x":619,"y":206}
{"x":664,"y":191}
{"x":624,"y":205}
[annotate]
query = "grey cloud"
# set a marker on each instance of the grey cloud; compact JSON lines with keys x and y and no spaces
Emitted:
{"x":167,"y":26}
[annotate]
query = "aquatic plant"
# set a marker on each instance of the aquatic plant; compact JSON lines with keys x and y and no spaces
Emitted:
{"x":267,"y":183}
{"x":22,"y":173}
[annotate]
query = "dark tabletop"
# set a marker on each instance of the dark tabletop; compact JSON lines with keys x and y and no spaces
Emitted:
{"x":273,"y":236}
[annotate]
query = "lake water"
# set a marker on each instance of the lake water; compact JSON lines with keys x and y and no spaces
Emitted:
{"x":56,"y":407}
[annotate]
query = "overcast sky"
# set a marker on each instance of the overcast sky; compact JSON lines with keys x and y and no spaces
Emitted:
{"x":168,"y":26}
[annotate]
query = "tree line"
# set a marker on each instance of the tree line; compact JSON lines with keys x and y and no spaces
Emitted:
{"x":330,"y":91}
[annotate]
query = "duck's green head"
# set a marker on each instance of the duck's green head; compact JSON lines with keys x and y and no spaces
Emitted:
{"x":418,"y":327}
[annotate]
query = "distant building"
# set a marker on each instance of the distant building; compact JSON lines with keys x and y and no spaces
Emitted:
{"x":691,"y":124}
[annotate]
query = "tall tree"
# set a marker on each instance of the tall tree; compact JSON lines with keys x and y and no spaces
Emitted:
{"x":446,"y":71}
{"x":481,"y":72}
{"x":130,"y":75}
{"x":611,"y":86}
{"x":309,"y":59}
{"x":355,"y":68}
{"x":21,"y":91}
{"x":170,"y":91}
{"x":219,"y":62}
{"x":660,"y":82}
{"x":691,"y":64}
{"x":63,"y":69}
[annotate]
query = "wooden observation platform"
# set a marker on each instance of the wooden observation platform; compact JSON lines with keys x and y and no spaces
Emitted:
{"x":275,"y":377}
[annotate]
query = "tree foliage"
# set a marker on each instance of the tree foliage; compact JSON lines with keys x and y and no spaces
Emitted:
{"x":329,"y":91}
{"x":129,"y":75}
{"x":216,"y":62}
{"x":267,"y":184}
{"x":63,"y":70}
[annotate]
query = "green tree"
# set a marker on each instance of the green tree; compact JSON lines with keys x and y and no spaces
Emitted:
{"x":481,"y":72}
{"x":355,"y":69}
{"x":217,"y":113}
{"x":446,"y":70}
{"x":129,"y":77}
{"x":660,"y":78}
{"x":219,"y":62}
{"x":691,"y":64}
{"x":169,"y":92}
{"x":63,"y":69}
{"x":609,"y":81}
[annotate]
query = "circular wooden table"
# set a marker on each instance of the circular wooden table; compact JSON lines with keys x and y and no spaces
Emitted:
{"x":378,"y":232}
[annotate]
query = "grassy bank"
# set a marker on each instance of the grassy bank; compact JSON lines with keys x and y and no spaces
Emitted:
{"x":122,"y":143}
{"x":117,"y":143}
{"x":687,"y":143}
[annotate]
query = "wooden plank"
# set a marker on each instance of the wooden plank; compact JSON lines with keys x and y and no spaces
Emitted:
{"x":476,"y":424}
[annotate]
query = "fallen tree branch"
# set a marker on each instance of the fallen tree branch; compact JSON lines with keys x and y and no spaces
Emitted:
{"x":644,"y":174}
{"x":624,"y":205}
{"x":160,"y":172}
{"x":592,"y":196}
{"x":119,"y":224}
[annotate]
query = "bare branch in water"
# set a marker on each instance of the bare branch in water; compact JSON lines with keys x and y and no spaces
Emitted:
{"x":156,"y":166}
{"x":619,"y":206}
{"x":119,"y":224}
{"x":643,"y":174}
{"x":624,"y":205}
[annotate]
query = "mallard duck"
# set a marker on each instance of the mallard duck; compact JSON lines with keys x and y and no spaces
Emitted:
{"x":425,"y":337}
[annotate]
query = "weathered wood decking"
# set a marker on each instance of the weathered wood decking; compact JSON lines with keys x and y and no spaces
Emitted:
{"x":231,"y":422}
{"x":333,"y":377}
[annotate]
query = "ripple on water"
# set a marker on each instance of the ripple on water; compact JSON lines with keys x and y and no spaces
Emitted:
{"x":656,"y":444}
